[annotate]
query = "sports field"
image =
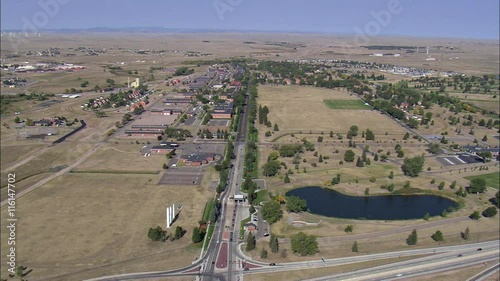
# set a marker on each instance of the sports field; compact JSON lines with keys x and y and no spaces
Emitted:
{"x":492,"y":179}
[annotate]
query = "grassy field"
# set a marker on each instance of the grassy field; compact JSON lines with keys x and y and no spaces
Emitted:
{"x":346,"y":104}
{"x":122,"y":156}
{"x":492,"y":179}
{"x":298,"y":108}
{"x":108,"y":233}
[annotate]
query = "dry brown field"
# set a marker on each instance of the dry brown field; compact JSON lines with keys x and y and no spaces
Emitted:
{"x":84,"y":225}
{"x":301,"y":109}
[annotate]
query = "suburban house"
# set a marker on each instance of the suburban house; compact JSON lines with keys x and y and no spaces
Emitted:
{"x":197,"y":159}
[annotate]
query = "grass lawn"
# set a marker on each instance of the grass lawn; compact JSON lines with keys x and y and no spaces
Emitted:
{"x":262,"y":196}
{"x":208,"y":209}
{"x":492,"y":179}
{"x":346,"y":104}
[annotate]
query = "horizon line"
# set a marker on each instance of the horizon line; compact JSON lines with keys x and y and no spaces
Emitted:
{"x":159,"y":29}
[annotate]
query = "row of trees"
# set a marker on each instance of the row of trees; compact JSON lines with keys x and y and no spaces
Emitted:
{"x":158,"y":234}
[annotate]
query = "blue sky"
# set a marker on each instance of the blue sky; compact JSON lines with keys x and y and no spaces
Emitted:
{"x":428,"y":18}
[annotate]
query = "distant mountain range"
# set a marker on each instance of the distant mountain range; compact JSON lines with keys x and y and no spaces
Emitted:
{"x":151,"y":29}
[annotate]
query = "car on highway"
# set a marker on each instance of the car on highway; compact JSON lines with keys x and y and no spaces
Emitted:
{"x":272,"y":264}
{"x":266,"y":234}
{"x":399,"y":274}
{"x":461,"y":255}
{"x":479,"y":249}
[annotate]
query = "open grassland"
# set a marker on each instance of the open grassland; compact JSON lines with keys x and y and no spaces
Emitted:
{"x":51,"y":160}
{"x":298,"y":108}
{"x":122,"y":156}
{"x":13,"y":153}
{"x":346,"y":104}
{"x":492,"y":179}
{"x":85,"y":226}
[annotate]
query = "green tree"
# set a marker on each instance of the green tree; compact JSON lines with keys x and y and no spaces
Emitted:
{"x":354,"y":247}
{"x":197,"y":237}
{"x":490,"y":212}
{"x":271,"y":211}
{"x":359,"y":163}
{"x":287,"y":178}
{"x":485,"y":138}
{"x":179,"y":232}
{"x":165,"y":166}
{"x":271,"y":168}
{"x":295,"y":204}
{"x":453,"y":184}
{"x":320,"y":139}
{"x":369,"y":135}
{"x":349,"y":156}
{"x":304,"y":244}
{"x":475,"y":215}
{"x":391,"y":175}
{"x":17,"y":119}
{"x":157,"y":234}
{"x":434,"y":148}
{"x":250,"y":242}
{"x":441,"y":185}
{"x":477,"y":185}
{"x":438,"y":236}
{"x":367,"y":191}
{"x":353,"y":131}
{"x":406,"y":136}
{"x":276,"y":127}
{"x":427,"y":216}
{"x":413,"y":166}
{"x":274,"y":244}
{"x":412,"y":238}
{"x":348,"y":229}
{"x":401,"y":154}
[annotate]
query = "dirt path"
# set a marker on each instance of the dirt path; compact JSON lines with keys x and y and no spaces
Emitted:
{"x":26,"y":160}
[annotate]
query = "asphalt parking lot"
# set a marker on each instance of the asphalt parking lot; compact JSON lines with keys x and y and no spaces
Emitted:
{"x":459,"y":159}
{"x":219,"y":123}
{"x":182,"y":176}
